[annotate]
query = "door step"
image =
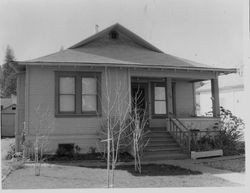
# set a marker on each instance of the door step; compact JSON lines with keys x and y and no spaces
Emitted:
{"x":162,"y":146}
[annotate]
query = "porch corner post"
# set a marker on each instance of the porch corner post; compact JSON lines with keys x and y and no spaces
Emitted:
{"x":215,"y":97}
{"x":129,"y":90}
{"x":169,"y":96}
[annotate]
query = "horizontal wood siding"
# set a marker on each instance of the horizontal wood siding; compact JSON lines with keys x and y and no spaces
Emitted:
{"x":79,"y":130}
{"x":20,"y":108}
{"x":184,"y":99}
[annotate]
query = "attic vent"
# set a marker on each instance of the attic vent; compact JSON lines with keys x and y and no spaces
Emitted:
{"x":114,"y":35}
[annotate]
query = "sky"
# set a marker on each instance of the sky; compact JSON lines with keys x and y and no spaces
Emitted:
{"x":206,"y":31}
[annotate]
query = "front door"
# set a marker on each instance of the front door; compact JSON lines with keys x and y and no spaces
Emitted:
{"x":139,"y":97}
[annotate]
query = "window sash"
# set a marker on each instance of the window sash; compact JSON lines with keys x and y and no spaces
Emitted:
{"x":160,"y":107}
{"x":64,"y":108}
{"x":89,"y":98}
{"x":68,"y":108}
{"x":86,"y":81}
{"x":67,"y":81}
{"x":160,"y":93}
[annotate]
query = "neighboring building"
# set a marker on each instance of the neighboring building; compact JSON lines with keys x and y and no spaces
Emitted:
{"x":73,"y":84}
{"x":5,"y":102}
{"x":231,"y":95}
{"x":8,"y":112}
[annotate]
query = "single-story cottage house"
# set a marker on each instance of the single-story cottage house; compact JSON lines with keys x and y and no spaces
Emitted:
{"x":73,"y":88}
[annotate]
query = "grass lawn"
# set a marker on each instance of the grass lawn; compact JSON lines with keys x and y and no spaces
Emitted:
{"x":61,"y":176}
{"x":235,"y":165}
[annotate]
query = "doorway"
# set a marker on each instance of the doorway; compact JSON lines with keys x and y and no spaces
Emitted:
{"x":139,"y":97}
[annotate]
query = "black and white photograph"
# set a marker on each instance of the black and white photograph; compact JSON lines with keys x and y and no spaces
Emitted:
{"x":114,"y":94}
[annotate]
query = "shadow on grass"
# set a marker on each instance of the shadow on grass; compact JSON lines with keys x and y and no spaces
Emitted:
{"x":153,"y":170}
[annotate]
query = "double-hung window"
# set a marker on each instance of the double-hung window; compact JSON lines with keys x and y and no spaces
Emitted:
{"x":77,"y":93}
{"x":159,"y":97}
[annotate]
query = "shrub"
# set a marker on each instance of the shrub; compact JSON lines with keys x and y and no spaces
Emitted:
{"x":11,"y":152}
{"x":66,"y":150}
{"x":205,"y":143}
{"x":231,"y":134}
{"x":230,"y":138}
{"x":16,"y":165}
{"x":92,"y":150}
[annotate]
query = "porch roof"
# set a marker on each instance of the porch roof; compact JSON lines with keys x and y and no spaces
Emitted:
{"x":133,"y":52}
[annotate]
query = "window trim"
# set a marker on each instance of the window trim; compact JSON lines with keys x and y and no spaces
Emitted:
{"x":153,"y":85}
{"x":78,"y":93}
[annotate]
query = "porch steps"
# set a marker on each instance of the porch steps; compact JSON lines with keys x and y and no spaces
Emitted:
{"x":162,"y":146}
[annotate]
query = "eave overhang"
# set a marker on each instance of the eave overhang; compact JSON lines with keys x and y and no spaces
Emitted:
{"x":20,"y":66}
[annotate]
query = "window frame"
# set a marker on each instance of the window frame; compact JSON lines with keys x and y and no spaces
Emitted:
{"x":78,"y":93}
{"x":158,"y":84}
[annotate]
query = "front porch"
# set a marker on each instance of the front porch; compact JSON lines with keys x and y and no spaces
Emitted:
{"x":162,"y":98}
{"x":170,"y":106}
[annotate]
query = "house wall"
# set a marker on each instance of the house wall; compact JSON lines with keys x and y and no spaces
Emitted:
{"x":184,"y":99}
{"x":81,"y":131}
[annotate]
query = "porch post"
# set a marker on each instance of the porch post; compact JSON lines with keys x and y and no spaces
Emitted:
{"x":169,"y":96}
{"x":215,"y":97}
{"x":129,"y":90}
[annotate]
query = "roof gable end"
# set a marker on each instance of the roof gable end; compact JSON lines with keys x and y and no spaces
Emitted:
{"x":120,"y":29}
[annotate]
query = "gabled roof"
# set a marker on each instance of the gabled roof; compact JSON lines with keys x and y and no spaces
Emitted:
{"x":122,"y":29}
{"x":129,"y":50}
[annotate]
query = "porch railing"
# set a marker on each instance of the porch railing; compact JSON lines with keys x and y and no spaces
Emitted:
{"x":180,"y":133}
{"x":193,"y":140}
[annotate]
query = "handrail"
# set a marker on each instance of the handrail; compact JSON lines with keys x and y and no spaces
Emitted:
{"x":173,"y":116}
{"x":188,"y":140}
{"x":182,"y":136}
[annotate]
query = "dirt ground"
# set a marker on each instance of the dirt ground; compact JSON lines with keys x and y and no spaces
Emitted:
{"x":58,"y":176}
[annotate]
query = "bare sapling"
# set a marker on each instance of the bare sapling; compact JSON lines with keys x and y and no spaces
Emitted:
{"x":44,"y":126}
{"x":139,"y":121}
{"x":115,"y":124}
